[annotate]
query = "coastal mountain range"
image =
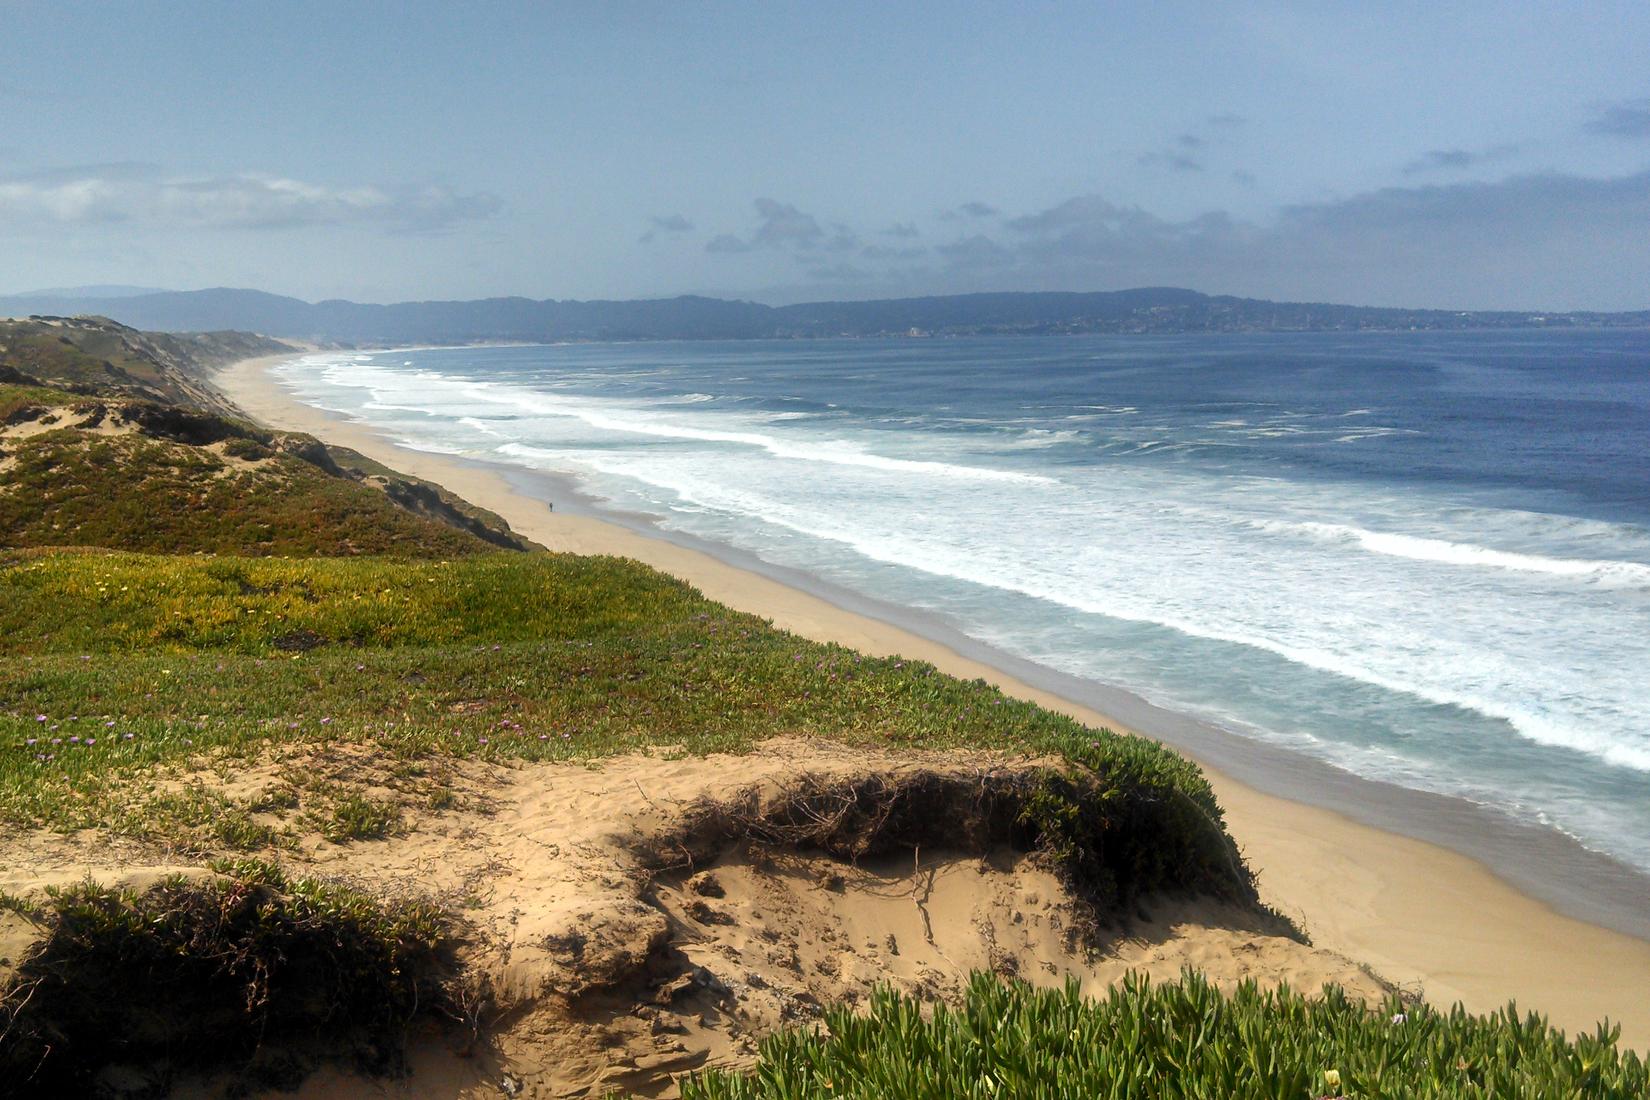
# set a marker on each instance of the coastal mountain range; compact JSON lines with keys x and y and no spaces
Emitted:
{"x":688,"y":317}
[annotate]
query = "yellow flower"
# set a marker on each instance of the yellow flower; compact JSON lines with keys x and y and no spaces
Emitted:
{"x":1332,"y":1078}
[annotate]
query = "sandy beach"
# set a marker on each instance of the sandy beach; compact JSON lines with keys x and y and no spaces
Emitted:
{"x":1423,"y":916}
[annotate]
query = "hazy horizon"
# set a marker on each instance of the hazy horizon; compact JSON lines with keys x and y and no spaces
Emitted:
{"x":1477,"y":158}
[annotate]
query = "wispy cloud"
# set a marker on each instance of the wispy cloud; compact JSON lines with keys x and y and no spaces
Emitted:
{"x":781,"y":227}
{"x":1418,"y":245}
{"x":884,"y":252}
{"x":139,"y":194}
{"x":726,"y":244}
{"x":1173,"y":160}
{"x":969,"y":211}
{"x":1629,"y":118}
{"x":1436,"y":160}
{"x":667,"y":224}
{"x":1543,"y":240}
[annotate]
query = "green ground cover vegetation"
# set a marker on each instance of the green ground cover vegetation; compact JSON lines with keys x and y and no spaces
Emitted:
{"x":15,"y":396}
{"x":69,"y":487}
{"x":117,"y":666}
{"x":1176,"y":1041}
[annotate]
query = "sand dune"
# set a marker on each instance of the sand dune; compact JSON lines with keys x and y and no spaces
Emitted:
{"x":604,"y":970}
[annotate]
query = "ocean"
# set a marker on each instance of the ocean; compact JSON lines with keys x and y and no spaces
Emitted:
{"x":1423,"y":558}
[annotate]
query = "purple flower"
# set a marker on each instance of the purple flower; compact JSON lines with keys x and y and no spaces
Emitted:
{"x":31,"y":740}
{"x":129,"y":736}
{"x":74,"y":740}
{"x":40,"y":718}
{"x":324,"y":721}
{"x":91,"y":740}
{"x":483,"y":740}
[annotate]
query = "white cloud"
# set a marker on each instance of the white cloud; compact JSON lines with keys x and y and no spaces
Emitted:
{"x":248,"y":201}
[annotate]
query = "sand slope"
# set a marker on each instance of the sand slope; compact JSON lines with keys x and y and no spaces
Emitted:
{"x":598,"y":968}
{"x":605,"y":971}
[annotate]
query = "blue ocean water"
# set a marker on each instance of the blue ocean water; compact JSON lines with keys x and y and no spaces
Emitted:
{"x":1422,"y":557}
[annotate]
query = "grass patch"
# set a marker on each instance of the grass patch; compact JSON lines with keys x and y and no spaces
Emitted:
{"x":354,"y":816}
{"x":14,"y":398}
{"x":204,"y":972}
{"x":68,"y":487}
{"x":115,"y":666}
{"x":1178,"y":1041}
{"x":125,"y":603}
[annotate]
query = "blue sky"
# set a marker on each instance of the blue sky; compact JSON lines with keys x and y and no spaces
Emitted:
{"x":1487,"y":155}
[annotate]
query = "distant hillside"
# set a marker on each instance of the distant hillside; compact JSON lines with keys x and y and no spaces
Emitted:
{"x":97,"y":356}
{"x":110,"y":438}
{"x":1145,"y":310}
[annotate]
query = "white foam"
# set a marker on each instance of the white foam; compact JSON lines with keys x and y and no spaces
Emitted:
{"x":433,"y":393}
{"x":1223,"y":597}
{"x":836,"y":452}
{"x":482,"y":426}
{"x":1622,"y":573}
{"x":1037,"y":439}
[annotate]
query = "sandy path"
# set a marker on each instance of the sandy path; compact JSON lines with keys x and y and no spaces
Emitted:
{"x":1423,"y":916}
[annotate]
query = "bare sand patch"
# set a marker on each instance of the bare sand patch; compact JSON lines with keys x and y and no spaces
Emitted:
{"x":599,"y":961}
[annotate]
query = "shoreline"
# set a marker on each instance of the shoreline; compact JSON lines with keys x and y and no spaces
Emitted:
{"x":1425,"y":916}
{"x":1549,"y":865}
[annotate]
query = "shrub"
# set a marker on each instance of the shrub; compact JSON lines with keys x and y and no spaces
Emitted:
{"x":203,"y":972}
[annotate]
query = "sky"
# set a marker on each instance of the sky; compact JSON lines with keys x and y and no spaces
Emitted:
{"x":1463,"y":155}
